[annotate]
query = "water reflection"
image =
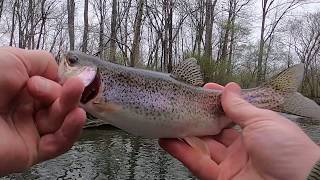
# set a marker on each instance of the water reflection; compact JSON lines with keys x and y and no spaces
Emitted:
{"x":114,"y":154}
{"x":110,"y":154}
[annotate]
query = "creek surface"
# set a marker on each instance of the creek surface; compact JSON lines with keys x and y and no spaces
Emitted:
{"x":113,"y":154}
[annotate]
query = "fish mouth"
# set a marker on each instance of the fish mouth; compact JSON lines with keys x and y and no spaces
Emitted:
{"x":91,"y":90}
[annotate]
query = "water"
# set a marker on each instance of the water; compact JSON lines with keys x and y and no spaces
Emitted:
{"x":114,"y":154}
{"x":110,"y":154}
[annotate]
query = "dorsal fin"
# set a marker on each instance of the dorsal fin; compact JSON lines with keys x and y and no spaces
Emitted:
{"x":288,"y":81}
{"x":189,"y":72}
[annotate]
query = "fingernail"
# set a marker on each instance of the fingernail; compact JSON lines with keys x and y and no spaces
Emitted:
{"x":233,"y":88}
{"x":207,"y":86}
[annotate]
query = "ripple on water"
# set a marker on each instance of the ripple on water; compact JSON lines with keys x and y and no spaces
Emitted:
{"x":114,"y":154}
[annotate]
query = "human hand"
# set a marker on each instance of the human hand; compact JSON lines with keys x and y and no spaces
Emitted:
{"x":269,"y":146}
{"x":39,"y":119}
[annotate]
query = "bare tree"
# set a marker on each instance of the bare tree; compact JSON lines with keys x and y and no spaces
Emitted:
{"x":60,"y":21}
{"x":43,"y":21}
{"x":125,"y":34}
{"x":113,"y":36}
{"x":102,"y":9}
{"x":234,"y":9}
{"x":71,"y":11}
{"x":136,"y":37}
{"x":25,"y":17}
{"x":267,"y":7}
{"x":199,"y":24}
{"x":170,"y":37}
{"x":86,"y":27}
{"x":156,"y":24}
{"x":13,"y":23}
{"x":31,"y":32}
{"x":306,"y":35}
{"x":226,"y":35}
{"x":1,"y":7}
{"x":209,"y":24}
{"x":171,"y":30}
{"x":45,"y":10}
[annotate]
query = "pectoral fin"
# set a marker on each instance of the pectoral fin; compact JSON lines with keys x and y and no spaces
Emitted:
{"x":197,"y":144}
{"x":106,"y":107}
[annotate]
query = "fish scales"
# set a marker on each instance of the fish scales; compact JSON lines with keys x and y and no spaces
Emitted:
{"x":159,"y":105}
{"x":160,"y":101}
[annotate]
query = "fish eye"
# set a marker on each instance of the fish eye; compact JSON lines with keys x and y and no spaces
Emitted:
{"x":72,"y":60}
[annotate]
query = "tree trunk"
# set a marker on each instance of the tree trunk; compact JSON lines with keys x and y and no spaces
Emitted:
{"x":170,"y":14}
{"x":71,"y":6}
{"x":55,"y":40}
{"x":20,"y":26}
{"x":43,"y":22}
{"x":13,"y":24}
{"x":200,"y":28}
{"x":134,"y":57}
{"x":1,"y":7}
{"x":101,"y":28}
{"x":165,"y":38}
{"x":209,"y":24}
{"x":231,"y":46}
{"x":86,"y":27}
{"x":199,"y":40}
{"x":226,"y":34}
{"x":261,"y":45}
{"x":126,"y":30}
{"x":229,"y":68}
{"x":30,"y":34}
{"x":113,"y":31}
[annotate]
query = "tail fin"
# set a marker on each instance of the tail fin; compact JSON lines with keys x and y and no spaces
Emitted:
{"x":299,"y":105}
{"x":271,"y":95}
{"x":287,"y":83}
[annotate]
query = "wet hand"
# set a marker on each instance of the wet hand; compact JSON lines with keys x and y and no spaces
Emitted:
{"x":269,"y":146}
{"x":39,"y":119}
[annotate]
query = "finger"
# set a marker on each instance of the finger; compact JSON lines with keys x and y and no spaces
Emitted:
{"x":199,"y":164}
{"x":36,"y":62}
{"x":213,"y":86}
{"x":52,"y":145}
{"x":217,"y":150}
{"x":227,"y":136}
{"x":17,"y":65}
{"x":235,"y":161}
{"x":236,"y":108}
{"x":50,"y":120}
{"x":44,"y":90}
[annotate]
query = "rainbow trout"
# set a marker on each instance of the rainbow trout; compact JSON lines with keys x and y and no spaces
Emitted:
{"x":158,"y":105}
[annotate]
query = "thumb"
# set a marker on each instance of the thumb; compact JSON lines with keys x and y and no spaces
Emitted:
{"x":236,"y":108}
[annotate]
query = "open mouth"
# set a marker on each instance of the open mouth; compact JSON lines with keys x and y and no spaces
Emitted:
{"x":91,"y":90}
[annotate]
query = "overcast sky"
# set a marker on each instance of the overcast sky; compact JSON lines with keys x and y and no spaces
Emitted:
{"x":299,"y":11}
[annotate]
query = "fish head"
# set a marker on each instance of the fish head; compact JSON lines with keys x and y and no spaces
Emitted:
{"x":76,"y":64}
